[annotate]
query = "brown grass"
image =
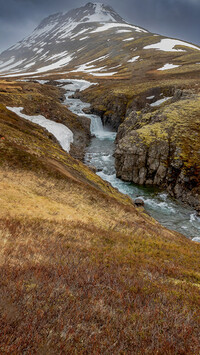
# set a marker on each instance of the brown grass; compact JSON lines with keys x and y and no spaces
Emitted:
{"x":82,"y":270}
{"x":73,"y":287}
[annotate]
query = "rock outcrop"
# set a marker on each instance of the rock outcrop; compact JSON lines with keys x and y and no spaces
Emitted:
{"x":162,"y":148}
{"x":111,"y":108}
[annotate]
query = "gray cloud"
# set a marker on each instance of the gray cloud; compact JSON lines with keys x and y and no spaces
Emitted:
{"x":175,"y":18}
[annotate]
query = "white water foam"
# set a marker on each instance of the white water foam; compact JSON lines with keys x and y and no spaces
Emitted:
{"x":196,"y":239}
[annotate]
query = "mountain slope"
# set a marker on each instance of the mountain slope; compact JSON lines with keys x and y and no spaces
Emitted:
{"x":94,"y":40}
{"x":55,"y":43}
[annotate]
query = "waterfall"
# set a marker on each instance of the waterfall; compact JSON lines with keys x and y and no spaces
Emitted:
{"x":96,"y":126}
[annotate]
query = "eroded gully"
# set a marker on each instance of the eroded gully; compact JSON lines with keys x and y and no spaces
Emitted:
{"x":99,"y":153}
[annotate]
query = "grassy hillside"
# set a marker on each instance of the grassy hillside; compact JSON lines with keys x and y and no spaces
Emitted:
{"x":82,"y":270}
{"x":46,"y":100}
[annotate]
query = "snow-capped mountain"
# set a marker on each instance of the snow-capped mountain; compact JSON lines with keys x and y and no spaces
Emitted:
{"x":60,"y":38}
{"x":92,"y":39}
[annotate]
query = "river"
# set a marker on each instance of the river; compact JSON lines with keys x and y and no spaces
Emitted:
{"x":169,"y":212}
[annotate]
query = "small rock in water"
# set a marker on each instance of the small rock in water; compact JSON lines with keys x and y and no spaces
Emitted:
{"x":198,"y":210}
{"x":87,"y":110}
{"x":139,"y":202}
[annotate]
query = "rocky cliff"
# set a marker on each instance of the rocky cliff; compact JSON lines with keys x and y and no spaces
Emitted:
{"x":162,"y":147}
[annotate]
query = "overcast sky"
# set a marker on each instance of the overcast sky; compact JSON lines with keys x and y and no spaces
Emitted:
{"x":175,"y":18}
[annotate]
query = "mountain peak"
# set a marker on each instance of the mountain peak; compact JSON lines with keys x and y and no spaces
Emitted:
{"x":95,"y":12}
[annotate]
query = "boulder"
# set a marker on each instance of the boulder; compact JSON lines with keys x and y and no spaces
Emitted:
{"x":139,"y":202}
{"x":93,"y":168}
{"x":87,"y":110}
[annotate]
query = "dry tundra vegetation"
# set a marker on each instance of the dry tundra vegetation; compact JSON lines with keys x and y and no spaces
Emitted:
{"x":82,"y":270}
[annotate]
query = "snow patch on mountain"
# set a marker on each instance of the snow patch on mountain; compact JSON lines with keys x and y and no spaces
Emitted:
{"x":92,"y":69}
{"x":83,"y":39}
{"x":12,"y":66}
{"x":108,"y":26}
{"x":134,"y":59}
{"x":150,"y":97}
{"x":5,"y":64}
{"x":63,"y":134}
{"x":60,"y":63}
{"x":168,"y":44}
{"x":43,"y":29}
{"x":159,"y":102}
{"x":128,"y":39}
{"x":123,"y":31}
{"x":79,"y":33}
{"x":99,"y":59}
{"x":29,"y":65}
{"x":87,"y":68}
{"x":66,"y":30}
{"x":80,"y":49}
{"x":40,"y":50}
{"x":44,"y":56}
{"x":61,"y":54}
{"x":169,"y":66}
{"x":105,"y":74}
